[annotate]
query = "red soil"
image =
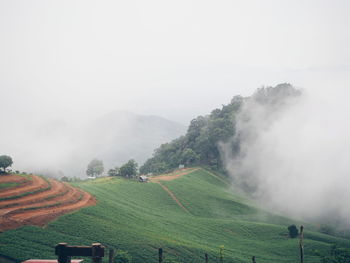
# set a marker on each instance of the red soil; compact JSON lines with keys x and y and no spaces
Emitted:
{"x":10,"y":178}
{"x":56,"y":188}
{"x":20,"y":181}
{"x":36,"y":183}
{"x":43,"y":207}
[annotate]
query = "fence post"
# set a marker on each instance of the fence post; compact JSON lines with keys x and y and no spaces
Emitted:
{"x":160,"y":254}
{"x":301,"y":244}
{"x":206,"y":258}
{"x":221,"y":254}
{"x":97,"y":251}
{"x":111,"y":255}
{"x":60,"y":251}
{"x":253,"y":259}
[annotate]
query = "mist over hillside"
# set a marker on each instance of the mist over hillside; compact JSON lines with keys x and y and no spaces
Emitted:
{"x":60,"y":147}
{"x":287,"y":148}
{"x":295,"y":159}
{"x":200,"y":145}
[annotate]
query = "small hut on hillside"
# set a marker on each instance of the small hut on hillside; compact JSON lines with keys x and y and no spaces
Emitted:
{"x":143,"y":179}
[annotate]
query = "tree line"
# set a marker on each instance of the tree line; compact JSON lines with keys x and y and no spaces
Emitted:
{"x":199,"y":146}
{"x":128,"y":170}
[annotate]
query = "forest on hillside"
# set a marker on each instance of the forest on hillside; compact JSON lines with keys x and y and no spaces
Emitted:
{"x":199,"y":146}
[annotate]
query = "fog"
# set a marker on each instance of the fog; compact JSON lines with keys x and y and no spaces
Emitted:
{"x":295,"y":157}
{"x":60,"y":147}
{"x":65,"y":64}
{"x":75,"y":59}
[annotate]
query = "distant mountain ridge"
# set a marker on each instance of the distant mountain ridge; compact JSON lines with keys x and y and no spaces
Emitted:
{"x":128,"y":135}
{"x":57,"y":147}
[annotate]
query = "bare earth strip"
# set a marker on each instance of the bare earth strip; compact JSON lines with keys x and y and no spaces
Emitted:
{"x":17,"y":180}
{"x":217,"y":177}
{"x":36,"y":183}
{"x":10,"y":178}
{"x":43,"y":207}
{"x":41,"y":200}
{"x":34,"y":215}
{"x":173,"y":196}
{"x":56,"y":188}
{"x":172,"y":176}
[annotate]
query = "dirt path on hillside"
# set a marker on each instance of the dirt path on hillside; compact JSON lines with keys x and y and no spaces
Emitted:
{"x":217,"y":177}
{"x":173,"y":196}
{"x":172,"y":176}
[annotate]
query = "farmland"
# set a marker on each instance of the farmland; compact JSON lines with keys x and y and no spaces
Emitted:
{"x":138,"y":218}
{"x":35,"y":200}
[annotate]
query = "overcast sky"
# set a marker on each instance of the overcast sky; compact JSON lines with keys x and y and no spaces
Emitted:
{"x":176,"y":59}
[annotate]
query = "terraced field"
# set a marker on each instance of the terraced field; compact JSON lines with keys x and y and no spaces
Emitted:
{"x":34,"y":200}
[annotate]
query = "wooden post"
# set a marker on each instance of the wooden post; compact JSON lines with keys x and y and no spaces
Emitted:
{"x":221,"y":254}
{"x":65,"y":252}
{"x":60,"y":251}
{"x":111,"y":255}
{"x":206,"y":258}
{"x":301,"y":244}
{"x":97,"y":251}
{"x":160,"y":254}
{"x":253,"y":259}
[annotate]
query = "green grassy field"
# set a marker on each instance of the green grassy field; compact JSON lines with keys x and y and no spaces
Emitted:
{"x":138,"y":218}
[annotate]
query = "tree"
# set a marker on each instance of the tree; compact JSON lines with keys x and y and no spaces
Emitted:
{"x":205,"y":133}
{"x":113,"y":172}
{"x":95,"y":168}
{"x":5,"y":161}
{"x":189,"y":157}
{"x":129,"y":169}
{"x":65,"y":179}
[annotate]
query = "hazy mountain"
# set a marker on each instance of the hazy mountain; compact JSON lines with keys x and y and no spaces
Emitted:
{"x":57,"y":147}
{"x":118,"y":136}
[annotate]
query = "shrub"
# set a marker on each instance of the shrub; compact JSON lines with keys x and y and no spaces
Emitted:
{"x":293,"y":231}
{"x":123,"y":257}
{"x":327,"y":229}
{"x":65,"y":179}
{"x":336,"y":255}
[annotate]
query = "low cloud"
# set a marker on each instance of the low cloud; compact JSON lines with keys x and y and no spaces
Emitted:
{"x":294,"y":156}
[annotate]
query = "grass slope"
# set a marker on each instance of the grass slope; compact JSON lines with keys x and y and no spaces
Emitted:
{"x":138,"y":218}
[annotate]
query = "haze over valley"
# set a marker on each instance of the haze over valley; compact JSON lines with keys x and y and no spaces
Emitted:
{"x":64,"y":148}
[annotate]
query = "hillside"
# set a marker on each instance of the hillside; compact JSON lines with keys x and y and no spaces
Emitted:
{"x":200,"y":144}
{"x":186,"y":215}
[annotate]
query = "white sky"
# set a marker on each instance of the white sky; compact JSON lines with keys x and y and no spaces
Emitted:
{"x":176,"y":59}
